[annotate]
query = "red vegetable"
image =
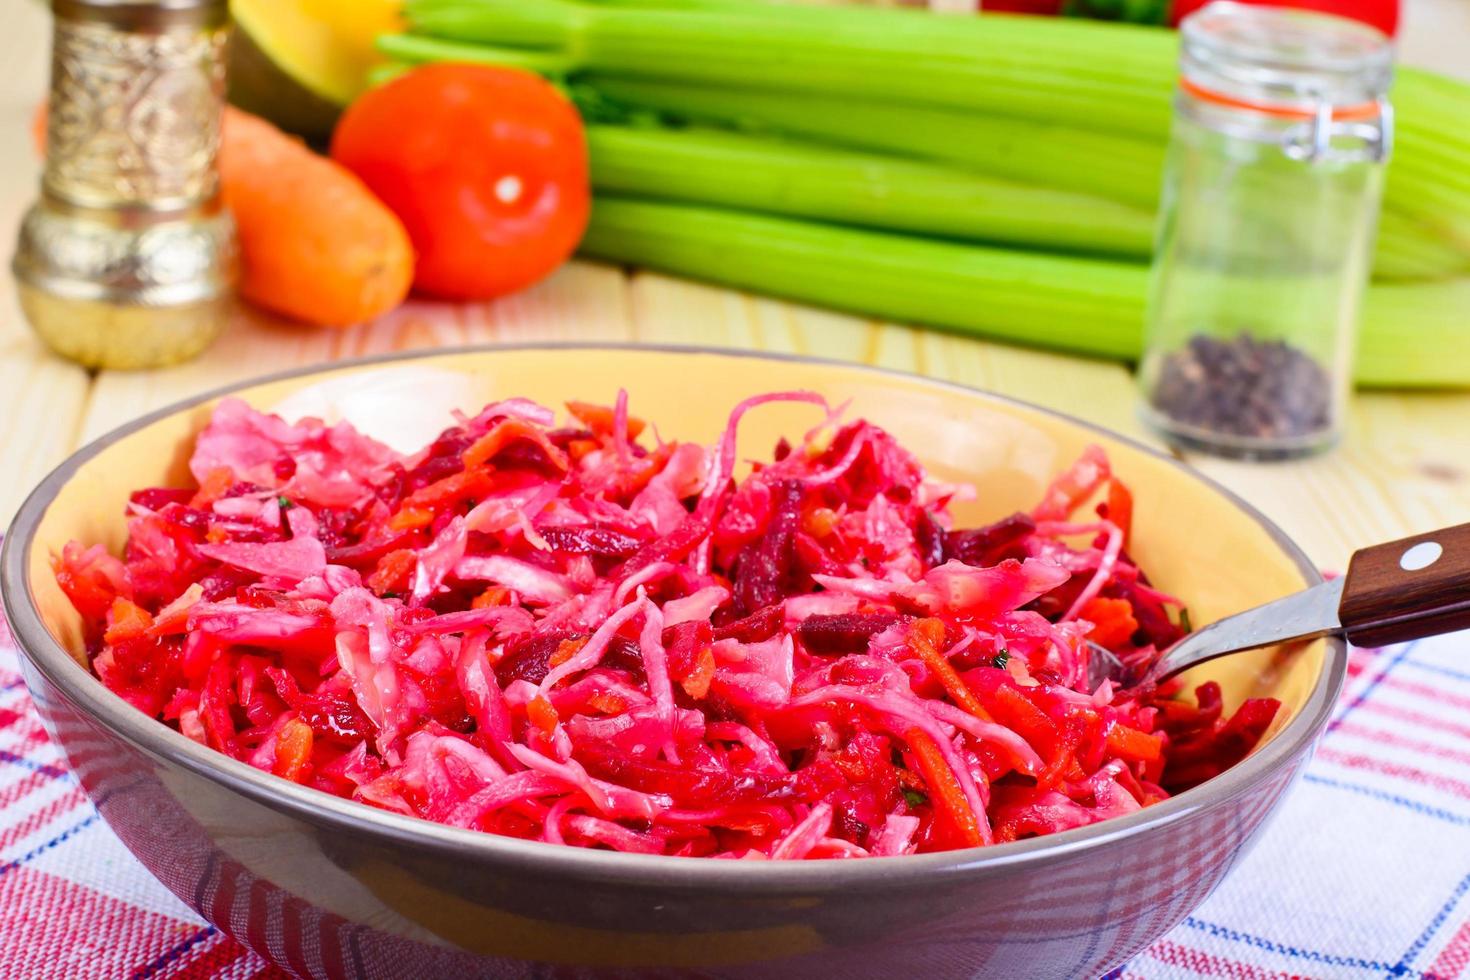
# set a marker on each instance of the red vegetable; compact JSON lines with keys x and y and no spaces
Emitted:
{"x":1382,"y":14}
{"x":486,"y":167}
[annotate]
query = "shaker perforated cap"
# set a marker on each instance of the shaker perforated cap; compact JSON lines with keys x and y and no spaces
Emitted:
{"x":1284,"y":62}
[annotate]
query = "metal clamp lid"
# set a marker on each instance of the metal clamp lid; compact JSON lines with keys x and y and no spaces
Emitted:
{"x":1317,"y":140}
{"x":1315,"y":84}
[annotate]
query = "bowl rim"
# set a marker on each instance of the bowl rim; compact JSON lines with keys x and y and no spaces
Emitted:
{"x":166,"y":746}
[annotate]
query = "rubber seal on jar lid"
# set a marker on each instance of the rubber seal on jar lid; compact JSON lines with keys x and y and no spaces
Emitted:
{"x":1351,"y":113}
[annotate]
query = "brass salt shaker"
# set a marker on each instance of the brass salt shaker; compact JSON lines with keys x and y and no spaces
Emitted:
{"x":127,"y":259}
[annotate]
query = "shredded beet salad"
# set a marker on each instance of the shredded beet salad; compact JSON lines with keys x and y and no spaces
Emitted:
{"x":585,"y":635}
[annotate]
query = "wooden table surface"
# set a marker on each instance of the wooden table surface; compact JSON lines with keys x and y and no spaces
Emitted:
{"x":1405,"y":466}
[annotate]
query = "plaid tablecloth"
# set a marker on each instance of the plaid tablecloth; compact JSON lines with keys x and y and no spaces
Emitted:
{"x":1364,"y":873}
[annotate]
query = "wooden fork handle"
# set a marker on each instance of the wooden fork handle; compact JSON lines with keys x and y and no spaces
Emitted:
{"x":1408,"y":589}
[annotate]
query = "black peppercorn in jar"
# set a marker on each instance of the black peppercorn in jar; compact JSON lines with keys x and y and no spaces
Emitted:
{"x":1267,"y":220}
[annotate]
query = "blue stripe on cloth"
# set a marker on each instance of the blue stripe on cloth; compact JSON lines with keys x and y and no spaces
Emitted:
{"x":13,"y":685}
{"x":1403,"y":965}
{"x":1458,"y":675}
{"x":173,"y":953}
{"x":1271,"y":946}
{"x":36,"y":852}
{"x":52,"y":772}
{"x":1421,"y":808}
{"x":1399,"y":657}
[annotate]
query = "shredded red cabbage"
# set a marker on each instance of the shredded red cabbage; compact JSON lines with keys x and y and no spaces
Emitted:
{"x":585,"y":635}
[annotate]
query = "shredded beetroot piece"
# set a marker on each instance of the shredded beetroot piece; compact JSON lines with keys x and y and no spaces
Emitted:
{"x":566,"y":634}
{"x":843,"y":632}
{"x":991,"y":544}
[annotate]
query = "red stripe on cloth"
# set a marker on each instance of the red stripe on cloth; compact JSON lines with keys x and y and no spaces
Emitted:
{"x":292,"y":937}
{"x":329,"y":939}
{"x":1413,"y":774}
{"x":257,"y":914}
{"x":63,"y":804}
{"x":1380,"y":737}
{"x":1434,"y":695}
{"x":25,"y":720}
{"x":213,"y":959}
{"x":1415,"y":718}
{"x":1209,"y":965}
{"x":220,"y":900}
{"x":28,"y":742}
{"x":57,"y":928}
{"x":22,"y":788}
{"x":1454,"y":958}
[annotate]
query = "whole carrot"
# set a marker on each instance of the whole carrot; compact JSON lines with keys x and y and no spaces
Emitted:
{"x":315,"y":244}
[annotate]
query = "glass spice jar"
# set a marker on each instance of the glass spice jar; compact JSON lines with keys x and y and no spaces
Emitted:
{"x":1266,"y":230}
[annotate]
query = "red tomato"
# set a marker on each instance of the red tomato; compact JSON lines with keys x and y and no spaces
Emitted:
{"x":487,"y":168}
{"x":1382,"y":14}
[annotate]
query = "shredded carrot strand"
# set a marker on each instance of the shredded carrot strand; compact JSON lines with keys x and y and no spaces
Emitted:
{"x":503,"y":434}
{"x":1134,"y":744}
{"x":541,"y":713}
{"x":409,"y":518}
{"x":496,"y":595}
{"x":925,"y":639}
{"x":293,"y":749}
{"x":600,"y":418}
{"x":127,"y":621}
{"x":696,"y":685}
{"x":945,"y":792}
{"x":566,"y":650}
{"x":213,"y":487}
{"x":393,"y":571}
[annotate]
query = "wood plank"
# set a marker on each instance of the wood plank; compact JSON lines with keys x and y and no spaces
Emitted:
{"x":583,"y":301}
{"x":1402,"y":469}
{"x":676,"y":311}
{"x":1101,"y":392}
{"x":43,"y":400}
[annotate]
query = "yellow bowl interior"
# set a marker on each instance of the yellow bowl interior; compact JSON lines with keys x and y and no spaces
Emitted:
{"x":1194,"y":542}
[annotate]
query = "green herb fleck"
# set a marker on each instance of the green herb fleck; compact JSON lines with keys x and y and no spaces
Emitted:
{"x":1000,"y":660}
{"x":286,"y":504}
{"x":914,"y":798}
{"x":1184,"y":622}
{"x":389,"y":595}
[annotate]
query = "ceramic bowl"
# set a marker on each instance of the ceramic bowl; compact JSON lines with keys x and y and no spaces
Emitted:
{"x":327,"y":888}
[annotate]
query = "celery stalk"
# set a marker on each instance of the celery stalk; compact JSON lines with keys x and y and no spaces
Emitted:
{"x":1021,"y":296}
{"x":1034,"y":152}
{"x":1411,"y":336}
{"x":996,"y":63}
{"x":411,"y":50}
{"x":1095,"y":164}
{"x":1407,"y":250}
{"x":705,"y":166}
